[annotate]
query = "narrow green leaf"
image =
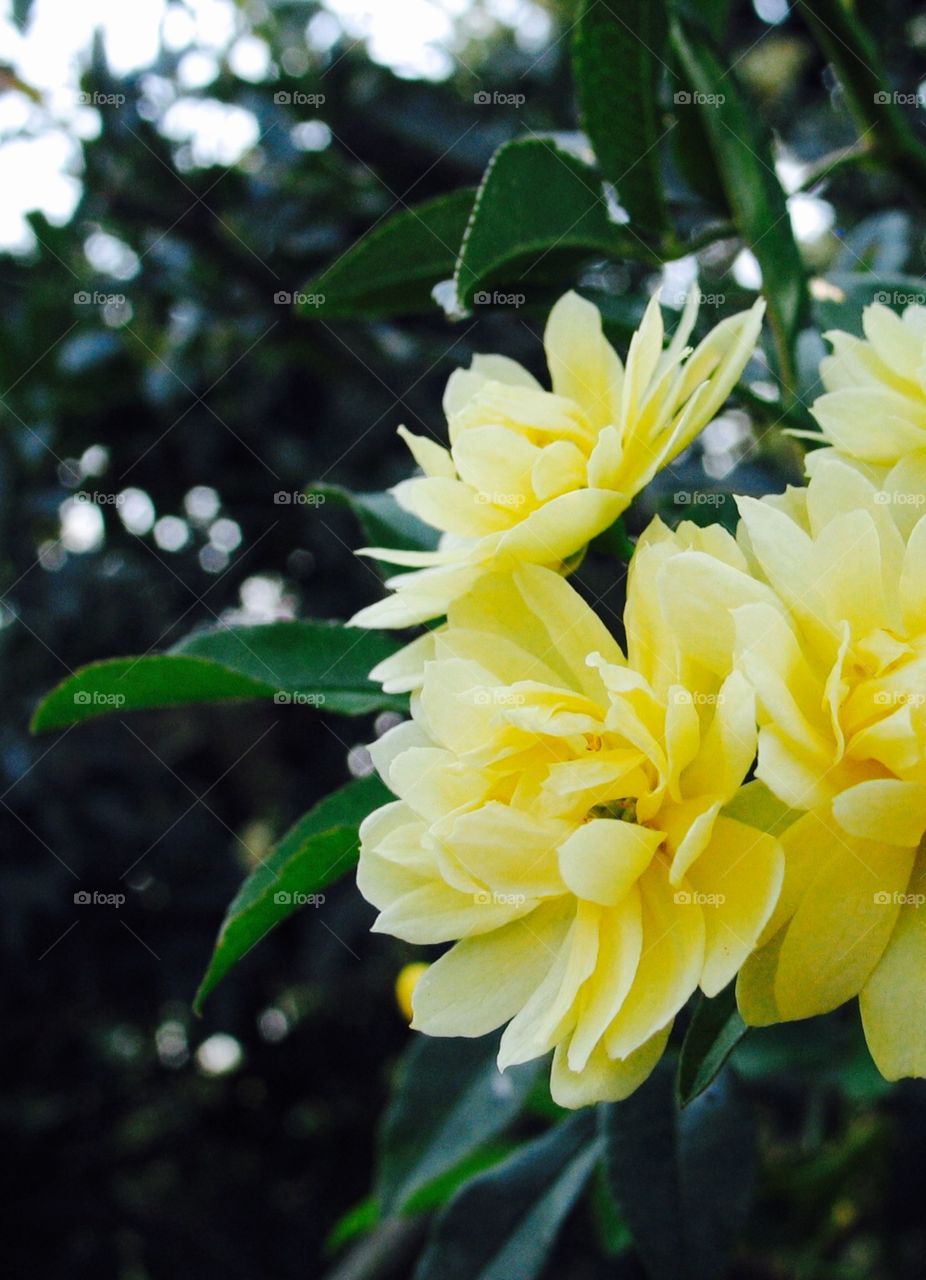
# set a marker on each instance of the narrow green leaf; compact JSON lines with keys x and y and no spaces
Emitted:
{"x":715,"y":1030}
{"x":742,"y":149}
{"x":318,"y":850}
{"x":450,"y":1100}
{"x":537,"y":205}
{"x":618,"y":58}
{"x":503,"y":1224}
{"x":320,"y":664}
{"x":683,"y":1181}
{"x":382,"y":520}
{"x":392,"y":270}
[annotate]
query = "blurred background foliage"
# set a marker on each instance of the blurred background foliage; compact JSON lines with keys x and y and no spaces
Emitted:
{"x":147,"y":355}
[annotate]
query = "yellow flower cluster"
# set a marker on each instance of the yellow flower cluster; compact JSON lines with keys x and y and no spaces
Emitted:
{"x":578,"y":819}
{"x":531,"y":476}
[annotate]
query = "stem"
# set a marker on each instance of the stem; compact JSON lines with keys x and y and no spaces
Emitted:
{"x":834,"y":162}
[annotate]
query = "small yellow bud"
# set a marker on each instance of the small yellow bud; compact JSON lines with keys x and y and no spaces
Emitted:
{"x":405,"y":985}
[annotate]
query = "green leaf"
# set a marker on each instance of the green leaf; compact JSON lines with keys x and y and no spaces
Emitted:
{"x":318,"y":850}
{"x":683,"y":1181}
{"x":503,"y":1224}
{"x":319,"y":664}
{"x":742,"y":150}
{"x":617,"y":61}
{"x":450,"y":1100}
{"x":538,"y":203}
{"x":392,"y":270}
{"x":382,"y":520}
{"x":360,"y":1219}
{"x":715,"y":1030}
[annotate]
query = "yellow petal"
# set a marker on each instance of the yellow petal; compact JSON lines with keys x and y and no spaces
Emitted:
{"x":619,"y":947}
{"x":513,"y":853}
{"x":583,"y":365}
{"x":550,"y":1012}
{"x":482,"y":982}
{"x":604,"y":1079}
{"x":738,"y":877}
{"x":669,"y":969}
{"x":562,"y":526}
{"x":874,"y":425}
{"x":602,"y":859}
{"x":883,"y":809}
{"x":432,"y":458}
{"x":842,"y":925}
{"x":893,"y":1000}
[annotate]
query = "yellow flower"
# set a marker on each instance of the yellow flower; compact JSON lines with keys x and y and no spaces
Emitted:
{"x":559,"y":818}
{"x":533,"y":475}
{"x":874,"y":409}
{"x":831,"y":634}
